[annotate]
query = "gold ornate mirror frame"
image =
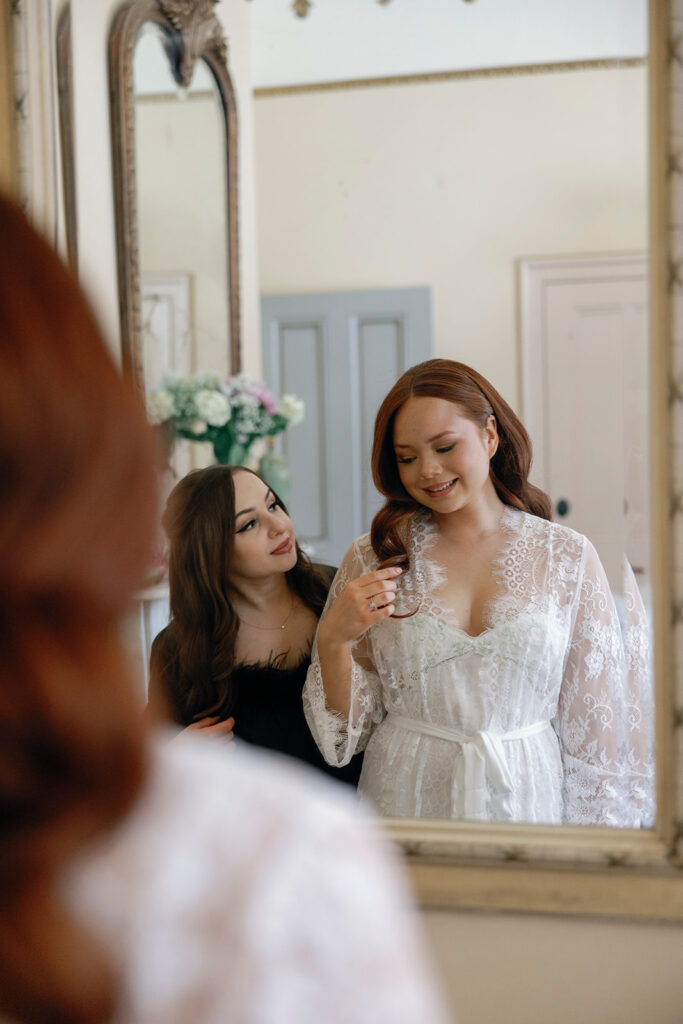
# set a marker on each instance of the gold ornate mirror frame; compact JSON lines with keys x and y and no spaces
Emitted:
{"x":600,"y":871}
{"x":191,"y":32}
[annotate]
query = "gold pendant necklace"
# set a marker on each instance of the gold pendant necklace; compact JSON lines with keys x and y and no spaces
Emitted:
{"x":253,"y":625}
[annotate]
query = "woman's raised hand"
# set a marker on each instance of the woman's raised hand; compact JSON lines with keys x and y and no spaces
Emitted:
{"x":363,"y":602}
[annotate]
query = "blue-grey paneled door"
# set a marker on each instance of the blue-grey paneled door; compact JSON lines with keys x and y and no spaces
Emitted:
{"x":341,"y":352}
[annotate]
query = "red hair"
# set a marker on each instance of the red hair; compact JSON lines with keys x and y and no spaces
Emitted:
{"x":77,"y":509}
{"x":477,"y":399}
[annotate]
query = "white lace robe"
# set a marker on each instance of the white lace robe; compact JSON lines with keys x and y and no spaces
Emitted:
{"x":546,"y":716}
{"x":243,"y":889}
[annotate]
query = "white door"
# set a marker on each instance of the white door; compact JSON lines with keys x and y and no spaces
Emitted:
{"x":341,"y":352}
{"x":585,"y":375}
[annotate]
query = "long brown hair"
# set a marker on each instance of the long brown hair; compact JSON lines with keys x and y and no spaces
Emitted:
{"x":193,"y":659}
{"x":76,"y":525}
{"x":477,"y":399}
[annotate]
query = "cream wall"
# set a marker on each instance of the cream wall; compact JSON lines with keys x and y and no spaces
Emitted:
{"x":96,"y":233}
{"x":513,"y":969}
{"x":447,"y":184}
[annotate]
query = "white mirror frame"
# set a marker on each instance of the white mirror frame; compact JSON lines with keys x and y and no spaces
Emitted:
{"x":601,"y":871}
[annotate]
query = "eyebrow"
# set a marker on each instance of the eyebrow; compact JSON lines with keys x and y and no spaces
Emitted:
{"x":436,"y":437}
{"x":247,"y":511}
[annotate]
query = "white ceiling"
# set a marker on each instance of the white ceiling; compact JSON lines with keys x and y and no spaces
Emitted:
{"x":350,"y":39}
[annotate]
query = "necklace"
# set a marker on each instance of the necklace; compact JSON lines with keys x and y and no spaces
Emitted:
{"x":254,"y":626}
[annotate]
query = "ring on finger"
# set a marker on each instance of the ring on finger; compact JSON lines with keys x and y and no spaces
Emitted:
{"x":373,"y":606}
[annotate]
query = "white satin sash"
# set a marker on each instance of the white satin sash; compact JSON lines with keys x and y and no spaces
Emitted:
{"x":483,"y":758}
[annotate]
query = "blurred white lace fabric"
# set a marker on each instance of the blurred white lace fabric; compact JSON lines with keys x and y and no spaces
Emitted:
{"x":544,"y":717}
{"x":243,"y":890}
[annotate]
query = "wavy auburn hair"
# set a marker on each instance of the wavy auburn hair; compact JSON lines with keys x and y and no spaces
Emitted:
{"x":192,"y":660}
{"x":477,"y":399}
{"x":76,"y":526}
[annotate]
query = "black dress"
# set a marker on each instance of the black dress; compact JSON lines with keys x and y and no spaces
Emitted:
{"x":269,"y":712}
{"x":264,"y":700}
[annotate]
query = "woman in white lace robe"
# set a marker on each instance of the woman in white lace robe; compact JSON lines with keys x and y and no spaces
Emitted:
{"x":490,"y":679}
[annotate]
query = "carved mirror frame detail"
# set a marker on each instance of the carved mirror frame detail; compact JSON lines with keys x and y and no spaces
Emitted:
{"x":191,"y":32}
{"x":600,"y":871}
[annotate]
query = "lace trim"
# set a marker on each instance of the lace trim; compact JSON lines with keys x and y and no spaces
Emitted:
{"x":520,"y":567}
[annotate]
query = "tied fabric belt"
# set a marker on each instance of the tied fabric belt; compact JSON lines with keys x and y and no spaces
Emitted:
{"x":483,"y":760}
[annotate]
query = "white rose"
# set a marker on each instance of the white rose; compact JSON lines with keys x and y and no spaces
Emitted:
{"x":292,"y":408}
{"x":160,"y":406}
{"x":213,"y":407}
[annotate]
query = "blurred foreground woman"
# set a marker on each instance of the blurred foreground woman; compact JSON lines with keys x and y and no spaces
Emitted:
{"x":140,"y":880}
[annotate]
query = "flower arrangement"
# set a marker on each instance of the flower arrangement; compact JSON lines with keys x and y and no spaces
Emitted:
{"x":229,"y":414}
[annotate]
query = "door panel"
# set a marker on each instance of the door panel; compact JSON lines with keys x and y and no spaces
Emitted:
{"x":584,"y":332}
{"x":341,"y":352}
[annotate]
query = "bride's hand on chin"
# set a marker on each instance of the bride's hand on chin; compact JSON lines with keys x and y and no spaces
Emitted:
{"x":362,"y":603}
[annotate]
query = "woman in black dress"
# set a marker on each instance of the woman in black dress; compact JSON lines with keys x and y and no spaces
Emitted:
{"x":245,"y":603}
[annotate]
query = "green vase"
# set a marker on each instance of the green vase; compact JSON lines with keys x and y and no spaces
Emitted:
{"x":230,"y":453}
{"x":273,"y":468}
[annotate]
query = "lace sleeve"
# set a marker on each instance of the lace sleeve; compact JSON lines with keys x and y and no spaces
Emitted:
{"x":639,"y":750}
{"x":600,"y":720}
{"x":340,"y":737}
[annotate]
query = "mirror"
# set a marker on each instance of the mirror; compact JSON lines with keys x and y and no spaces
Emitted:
{"x":483,"y":865}
{"x":429,"y":184}
{"x":174,"y":137}
{"x":518,"y":195}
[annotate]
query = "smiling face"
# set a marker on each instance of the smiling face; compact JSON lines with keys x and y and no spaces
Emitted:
{"x":442,"y":456}
{"x":264,"y":534}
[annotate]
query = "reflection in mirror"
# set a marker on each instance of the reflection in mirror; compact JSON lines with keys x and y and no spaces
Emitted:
{"x":174,"y":142}
{"x":180,"y":155}
{"x":514,"y":688}
{"x":519,"y":198}
{"x":181,"y":203}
